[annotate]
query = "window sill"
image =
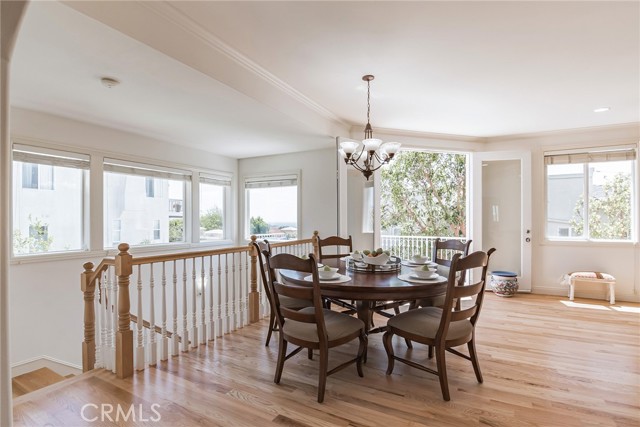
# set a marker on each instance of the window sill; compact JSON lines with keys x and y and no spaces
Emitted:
{"x":57,"y":256}
{"x":593,"y":243}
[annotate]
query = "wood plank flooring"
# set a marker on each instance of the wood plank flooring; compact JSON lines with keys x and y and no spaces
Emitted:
{"x":546,"y":362}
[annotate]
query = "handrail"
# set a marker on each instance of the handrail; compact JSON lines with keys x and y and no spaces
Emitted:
{"x":117,"y":339}
{"x":147,"y":325}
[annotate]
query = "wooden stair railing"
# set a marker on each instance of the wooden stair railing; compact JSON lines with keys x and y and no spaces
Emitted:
{"x":224,"y":280}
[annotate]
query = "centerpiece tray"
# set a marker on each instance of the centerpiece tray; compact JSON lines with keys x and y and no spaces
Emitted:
{"x":392,"y":266}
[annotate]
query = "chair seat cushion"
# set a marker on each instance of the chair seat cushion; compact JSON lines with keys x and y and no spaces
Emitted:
{"x":593,"y":275}
{"x":432,"y":302}
{"x":424,"y":322}
{"x":294,"y":302}
{"x":338,"y":326}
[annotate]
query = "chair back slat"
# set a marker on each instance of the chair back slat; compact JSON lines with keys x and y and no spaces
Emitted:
{"x":291,"y":314}
{"x":339,"y":243}
{"x":443,"y":250}
{"x":468,"y":291}
{"x":291,"y":291}
{"x":464,"y":313}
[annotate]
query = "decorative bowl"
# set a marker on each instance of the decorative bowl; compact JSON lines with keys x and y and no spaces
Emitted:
{"x":356,"y":255}
{"x":327,"y":272}
{"x":424,"y":272}
{"x":381,"y":259}
{"x":420,"y":259}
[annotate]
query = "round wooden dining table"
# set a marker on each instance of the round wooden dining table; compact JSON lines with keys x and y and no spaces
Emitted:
{"x":366,"y":288}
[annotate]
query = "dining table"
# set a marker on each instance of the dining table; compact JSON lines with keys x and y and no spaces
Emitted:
{"x":367,"y":288}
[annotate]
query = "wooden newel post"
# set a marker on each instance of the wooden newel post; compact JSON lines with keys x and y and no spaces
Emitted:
{"x":88,"y":288}
{"x":254,"y":296}
{"x":124,"y":336}
{"x":316,"y":245}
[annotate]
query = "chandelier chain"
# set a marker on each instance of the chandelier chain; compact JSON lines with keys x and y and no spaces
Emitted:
{"x":368,"y":99}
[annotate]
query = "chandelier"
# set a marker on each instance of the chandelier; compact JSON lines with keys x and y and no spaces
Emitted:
{"x":373,"y":153}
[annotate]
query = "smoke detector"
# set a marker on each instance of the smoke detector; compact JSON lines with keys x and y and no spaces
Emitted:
{"x":109,"y":82}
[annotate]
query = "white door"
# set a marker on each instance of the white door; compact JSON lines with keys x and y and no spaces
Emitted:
{"x":501,"y":203}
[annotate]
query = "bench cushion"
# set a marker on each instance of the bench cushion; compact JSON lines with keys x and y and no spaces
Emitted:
{"x":592,"y":275}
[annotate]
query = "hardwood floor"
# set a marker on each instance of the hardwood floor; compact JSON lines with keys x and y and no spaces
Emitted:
{"x":546,"y":362}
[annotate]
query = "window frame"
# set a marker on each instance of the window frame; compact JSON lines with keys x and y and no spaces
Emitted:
{"x":32,"y":152}
{"x":270,"y":176}
{"x":595,"y":151}
{"x":151,"y":172}
{"x":225,"y":180}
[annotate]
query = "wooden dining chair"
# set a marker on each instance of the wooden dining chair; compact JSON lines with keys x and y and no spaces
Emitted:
{"x":294,"y":304}
{"x":442,"y":254}
{"x":343,"y":247}
{"x":446,"y":327}
{"x":314,"y":328}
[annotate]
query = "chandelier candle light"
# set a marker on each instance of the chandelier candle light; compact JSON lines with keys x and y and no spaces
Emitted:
{"x":373,"y":152}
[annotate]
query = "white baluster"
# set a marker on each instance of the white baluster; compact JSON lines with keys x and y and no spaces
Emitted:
{"x":220,"y":329}
{"x":185,"y":327}
{"x":114,"y":317}
{"x":164,"y":344}
{"x":245,"y":285}
{"x":104,"y":306}
{"x":227,"y":319}
{"x":140,"y":361}
{"x":194,"y":310}
{"x":153,"y":345}
{"x":203,"y":293}
{"x":98,"y":356}
{"x":175,"y":343}
{"x":211,"y":330}
{"x":234,"y":297}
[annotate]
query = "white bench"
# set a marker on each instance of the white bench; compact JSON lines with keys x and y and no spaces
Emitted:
{"x":591,"y":277}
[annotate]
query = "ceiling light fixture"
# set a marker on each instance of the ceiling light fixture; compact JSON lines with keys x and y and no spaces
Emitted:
{"x":601,"y":109}
{"x":109,"y":82}
{"x":373,"y":153}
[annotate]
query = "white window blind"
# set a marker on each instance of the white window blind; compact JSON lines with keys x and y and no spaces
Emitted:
{"x":271,"y":181}
{"x":215,"y":180}
{"x":142,"y":169}
{"x":604,"y":155}
{"x":44,"y":156}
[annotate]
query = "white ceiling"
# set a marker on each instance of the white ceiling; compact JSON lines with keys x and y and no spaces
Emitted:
{"x":253,"y":78}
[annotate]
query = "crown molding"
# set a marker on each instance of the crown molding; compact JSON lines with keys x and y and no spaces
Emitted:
{"x":184,"y":22}
{"x":355,"y":128}
{"x":633,"y":128}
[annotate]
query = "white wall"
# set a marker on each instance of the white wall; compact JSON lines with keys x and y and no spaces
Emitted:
{"x":553,"y":259}
{"x":45,"y":298}
{"x":318,"y":186}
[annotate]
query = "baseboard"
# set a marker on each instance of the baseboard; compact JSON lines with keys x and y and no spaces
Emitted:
{"x":60,"y":367}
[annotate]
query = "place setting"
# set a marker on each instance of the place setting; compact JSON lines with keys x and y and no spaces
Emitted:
{"x":418,"y":260}
{"x":328,"y":274}
{"x":423,"y":274}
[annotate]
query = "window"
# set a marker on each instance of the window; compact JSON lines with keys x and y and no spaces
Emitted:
{"x":116,"y":229}
{"x":149,"y":184}
{"x":271,"y":207}
{"x":423,"y":194}
{"x":48,"y":200}
{"x":590,"y":194}
{"x":37,"y":176}
{"x":137,"y":196}
{"x":156,"y":230}
{"x":214,"y":192}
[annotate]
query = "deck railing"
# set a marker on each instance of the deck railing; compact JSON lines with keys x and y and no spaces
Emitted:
{"x":202,"y":295}
{"x":407,"y":246}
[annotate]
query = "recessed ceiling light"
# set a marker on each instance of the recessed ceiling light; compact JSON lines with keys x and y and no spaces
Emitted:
{"x":601,"y":109}
{"x":109,"y":82}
